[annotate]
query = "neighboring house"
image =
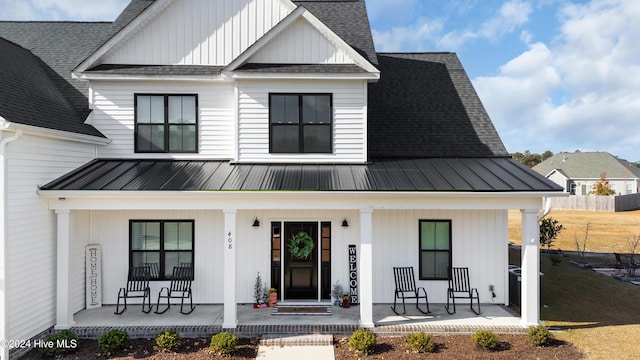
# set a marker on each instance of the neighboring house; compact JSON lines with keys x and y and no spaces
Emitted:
{"x":165,"y":135}
{"x":578,"y":172}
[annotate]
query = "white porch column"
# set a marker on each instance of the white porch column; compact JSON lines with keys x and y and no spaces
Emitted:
{"x":530,"y":296}
{"x":64,"y":313}
{"x":230,"y":320}
{"x":366,"y":268}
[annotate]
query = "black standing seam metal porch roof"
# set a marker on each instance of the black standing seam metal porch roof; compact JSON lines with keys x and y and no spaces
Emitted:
{"x":425,"y":175}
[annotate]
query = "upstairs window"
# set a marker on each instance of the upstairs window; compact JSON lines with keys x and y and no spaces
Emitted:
{"x":300,"y":123}
{"x":435,"y":249}
{"x":166,"y":123}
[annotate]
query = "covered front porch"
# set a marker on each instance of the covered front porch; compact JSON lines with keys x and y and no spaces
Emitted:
{"x":208,"y":319}
{"x":384,"y":228}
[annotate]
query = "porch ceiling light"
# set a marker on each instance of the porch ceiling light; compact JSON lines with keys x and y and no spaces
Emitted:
{"x":345,"y":223}
{"x":256,"y":223}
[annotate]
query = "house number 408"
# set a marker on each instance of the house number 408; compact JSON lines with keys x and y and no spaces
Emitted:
{"x":230,"y":240}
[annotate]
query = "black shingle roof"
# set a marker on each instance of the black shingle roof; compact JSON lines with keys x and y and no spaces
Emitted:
{"x":424,"y":105}
{"x":62,"y":46}
{"x":32,"y":96}
{"x":433,"y":175}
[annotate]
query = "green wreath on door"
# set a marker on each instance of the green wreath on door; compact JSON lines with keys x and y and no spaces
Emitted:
{"x":301,"y":245}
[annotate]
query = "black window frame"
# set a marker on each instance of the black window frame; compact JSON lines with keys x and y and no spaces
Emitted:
{"x":162,"y":261}
{"x":166,"y":124}
{"x":301,"y":124}
{"x":445,"y":275}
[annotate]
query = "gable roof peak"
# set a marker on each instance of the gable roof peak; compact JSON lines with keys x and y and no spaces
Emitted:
{"x":285,"y":24}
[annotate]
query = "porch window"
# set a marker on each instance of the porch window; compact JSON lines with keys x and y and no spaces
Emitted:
{"x":166,"y":123}
{"x":435,"y":249}
{"x":300,"y":123}
{"x":161,"y":245}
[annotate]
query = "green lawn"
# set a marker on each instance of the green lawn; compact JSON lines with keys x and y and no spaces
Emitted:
{"x":599,"y":315}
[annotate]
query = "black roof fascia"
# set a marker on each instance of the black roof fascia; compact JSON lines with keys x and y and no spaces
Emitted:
{"x":129,"y":69}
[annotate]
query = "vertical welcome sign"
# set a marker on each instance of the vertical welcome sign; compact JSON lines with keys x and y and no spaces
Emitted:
{"x":353,"y":275}
{"x":93,"y":271}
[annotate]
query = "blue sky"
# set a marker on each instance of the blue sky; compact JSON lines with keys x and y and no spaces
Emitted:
{"x":556,"y":75}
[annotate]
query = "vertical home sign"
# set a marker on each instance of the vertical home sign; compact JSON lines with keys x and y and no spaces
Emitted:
{"x":93,"y":271}
{"x":353,"y":275}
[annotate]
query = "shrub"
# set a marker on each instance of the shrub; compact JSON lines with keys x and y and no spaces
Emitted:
{"x":486,"y":339}
{"x":362,"y":341}
{"x":113,"y":341}
{"x":168,"y":340}
{"x":66,"y":341}
{"x":420,"y":342}
{"x":223,"y":343}
{"x":549,"y":231}
{"x":539,"y":335}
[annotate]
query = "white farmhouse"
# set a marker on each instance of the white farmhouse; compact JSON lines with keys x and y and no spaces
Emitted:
{"x":210,"y":132}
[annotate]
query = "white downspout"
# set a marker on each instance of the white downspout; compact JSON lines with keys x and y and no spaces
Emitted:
{"x":547,"y":209}
{"x":4,"y":126}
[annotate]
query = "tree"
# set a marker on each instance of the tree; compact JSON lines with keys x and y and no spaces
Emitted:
{"x":532,"y":159}
{"x":602,"y":187}
{"x":547,"y":154}
{"x":549,"y":231}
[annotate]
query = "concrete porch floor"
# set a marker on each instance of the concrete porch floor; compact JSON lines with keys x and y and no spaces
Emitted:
{"x":207,"y":320}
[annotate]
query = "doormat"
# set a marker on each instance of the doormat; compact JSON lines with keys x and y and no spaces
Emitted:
{"x":301,"y":310}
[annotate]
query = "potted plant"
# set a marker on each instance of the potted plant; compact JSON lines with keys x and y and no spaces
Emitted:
{"x":273,"y":297}
{"x":258,"y":293}
{"x":346,"y":302}
{"x":337,"y":293}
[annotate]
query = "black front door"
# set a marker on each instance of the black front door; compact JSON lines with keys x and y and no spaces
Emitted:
{"x":300,"y":248}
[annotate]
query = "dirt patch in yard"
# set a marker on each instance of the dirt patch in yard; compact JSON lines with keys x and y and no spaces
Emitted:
{"x":389,"y":348}
{"x":145,"y":349}
{"x":462,"y":347}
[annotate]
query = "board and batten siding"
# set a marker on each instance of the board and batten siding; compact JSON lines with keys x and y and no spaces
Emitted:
{"x":480,"y":239}
{"x":254,"y":245}
{"x":349,"y":120}
{"x":31,"y":232}
{"x":301,"y":44}
{"x":110,"y":229}
{"x":479,"y":242}
{"x":113,"y":115}
{"x":199,"y":32}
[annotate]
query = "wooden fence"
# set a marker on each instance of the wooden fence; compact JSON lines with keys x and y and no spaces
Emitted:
{"x":627,"y":202}
{"x":597,"y":203}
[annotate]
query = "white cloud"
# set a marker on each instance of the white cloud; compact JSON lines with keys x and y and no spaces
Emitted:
{"x":427,"y":33}
{"x":409,"y":38}
{"x":524,"y":83}
{"x":593,"y":64}
{"x":79,"y":10}
{"x":512,"y":14}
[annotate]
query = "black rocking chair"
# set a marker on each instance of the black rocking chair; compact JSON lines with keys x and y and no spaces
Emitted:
{"x":180,"y":287}
{"x":406,"y":289}
{"x":459,"y":288}
{"x":137,"y":287}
